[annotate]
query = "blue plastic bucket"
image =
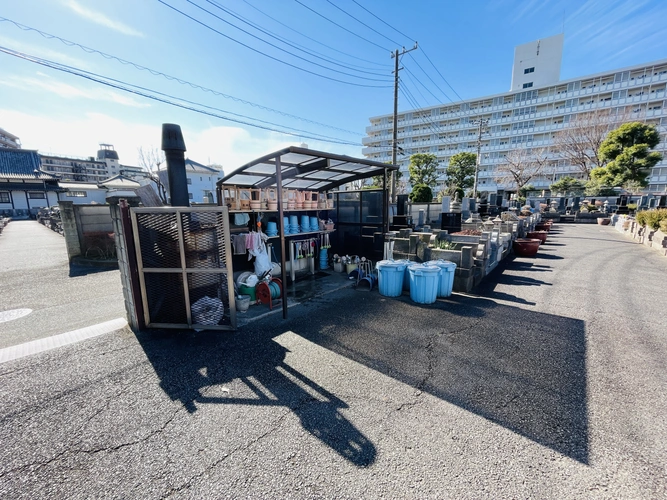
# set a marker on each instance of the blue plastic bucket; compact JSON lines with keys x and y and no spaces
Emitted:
{"x":390,"y":277}
{"x":447,"y":269}
{"x":406,"y":274}
{"x":424,"y":283}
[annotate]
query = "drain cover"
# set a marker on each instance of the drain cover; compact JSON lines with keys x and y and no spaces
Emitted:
{"x":13,"y":314}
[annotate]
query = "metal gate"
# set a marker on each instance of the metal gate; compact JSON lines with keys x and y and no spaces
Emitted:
{"x":185,"y":267}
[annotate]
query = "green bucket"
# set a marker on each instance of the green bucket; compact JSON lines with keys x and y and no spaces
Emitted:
{"x":246,"y":290}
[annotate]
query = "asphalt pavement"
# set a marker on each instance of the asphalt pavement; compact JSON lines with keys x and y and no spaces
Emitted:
{"x":36,"y":277}
{"x":548,"y":382}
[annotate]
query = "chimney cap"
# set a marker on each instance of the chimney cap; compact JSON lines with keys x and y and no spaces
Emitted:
{"x":172,"y":137}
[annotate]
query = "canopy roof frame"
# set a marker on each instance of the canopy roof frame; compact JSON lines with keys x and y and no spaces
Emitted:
{"x":305,"y":172}
{"x":281,"y":171}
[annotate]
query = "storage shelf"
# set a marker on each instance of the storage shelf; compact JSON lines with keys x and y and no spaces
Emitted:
{"x":304,"y":234}
{"x":276,"y":211}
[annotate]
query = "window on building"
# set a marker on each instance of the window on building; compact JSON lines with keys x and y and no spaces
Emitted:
{"x":527,"y":85}
{"x":190,"y":196}
{"x":189,"y":180}
{"x":4,"y":197}
{"x":75,"y":194}
{"x":36,"y":196}
{"x":529,"y":70}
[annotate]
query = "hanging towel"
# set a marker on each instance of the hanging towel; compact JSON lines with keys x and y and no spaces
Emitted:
{"x":238,"y":242}
{"x":241,"y":219}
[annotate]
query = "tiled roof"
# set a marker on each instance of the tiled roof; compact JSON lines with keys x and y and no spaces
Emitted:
{"x":193,"y":166}
{"x":21,"y":164}
{"x":119,"y":182}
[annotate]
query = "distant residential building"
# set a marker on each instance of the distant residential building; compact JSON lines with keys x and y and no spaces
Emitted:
{"x":132,"y":172}
{"x":75,"y":169}
{"x":201,"y":181}
{"x":538,"y":105}
{"x":8,"y":140}
{"x":24,"y":187}
{"x":88,"y":169}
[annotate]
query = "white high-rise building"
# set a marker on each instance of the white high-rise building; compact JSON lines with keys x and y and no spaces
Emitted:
{"x":528,"y":116}
{"x":537,"y":63}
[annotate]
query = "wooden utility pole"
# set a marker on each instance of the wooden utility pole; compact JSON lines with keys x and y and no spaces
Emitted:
{"x":394,"y":142}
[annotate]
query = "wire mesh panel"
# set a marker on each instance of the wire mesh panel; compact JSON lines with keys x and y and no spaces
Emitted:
{"x":185,"y":267}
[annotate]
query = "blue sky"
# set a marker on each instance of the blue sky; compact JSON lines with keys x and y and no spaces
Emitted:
{"x":470,"y":43}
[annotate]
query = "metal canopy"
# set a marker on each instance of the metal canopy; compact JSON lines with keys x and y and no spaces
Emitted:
{"x":302,"y":168}
{"x":307,"y":169}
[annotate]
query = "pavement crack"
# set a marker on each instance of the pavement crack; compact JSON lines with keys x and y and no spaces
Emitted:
{"x":431,"y":361}
{"x":135,"y":442}
{"x":274,"y":427}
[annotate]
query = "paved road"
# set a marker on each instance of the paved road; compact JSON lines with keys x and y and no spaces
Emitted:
{"x":550,"y":383}
{"x":35,"y":274}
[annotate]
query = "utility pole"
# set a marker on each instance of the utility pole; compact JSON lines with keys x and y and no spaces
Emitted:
{"x":481,"y":124}
{"x":394,"y":143}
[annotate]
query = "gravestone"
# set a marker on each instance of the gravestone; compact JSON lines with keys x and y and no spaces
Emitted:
{"x":401,"y":201}
{"x":451,"y":222}
{"x":446,"y":201}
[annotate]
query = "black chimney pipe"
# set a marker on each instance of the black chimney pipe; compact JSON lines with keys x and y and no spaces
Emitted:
{"x":173,"y":146}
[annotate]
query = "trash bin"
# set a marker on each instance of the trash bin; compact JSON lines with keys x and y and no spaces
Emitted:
{"x":406,"y":274}
{"x":447,"y":269}
{"x":424,"y":283}
{"x":390,"y":277}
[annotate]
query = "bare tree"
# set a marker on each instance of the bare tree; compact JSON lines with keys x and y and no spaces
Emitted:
{"x":579,"y":142}
{"x":151,"y":159}
{"x":521,"y":165}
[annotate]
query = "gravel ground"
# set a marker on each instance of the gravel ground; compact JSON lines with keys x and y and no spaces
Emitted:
{"x":548,"y":382}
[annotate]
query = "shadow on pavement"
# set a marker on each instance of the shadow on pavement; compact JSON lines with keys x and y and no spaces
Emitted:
{"x":522,"y":370}
{"x":189,"y":364}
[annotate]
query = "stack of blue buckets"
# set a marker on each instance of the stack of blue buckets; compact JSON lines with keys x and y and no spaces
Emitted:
{"x":324,"y":258}
{"x":426,"y":282}
{"x":292,"y":225}
{"x":272,"y":228}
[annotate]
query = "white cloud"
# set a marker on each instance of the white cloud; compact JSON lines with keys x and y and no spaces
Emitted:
{"x":230,"y":147}
{"x":102,"y":19}
{"x":46,"y":83}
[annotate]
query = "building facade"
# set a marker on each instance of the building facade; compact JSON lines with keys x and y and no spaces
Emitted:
{"x":24,"y":188}
{"x":201,"y":181}
{"x":91,"y":169}
{"x":527,"y":117}
{"x":8,"y":140}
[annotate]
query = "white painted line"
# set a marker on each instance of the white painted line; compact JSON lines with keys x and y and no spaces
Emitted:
{"x":48,"y":343}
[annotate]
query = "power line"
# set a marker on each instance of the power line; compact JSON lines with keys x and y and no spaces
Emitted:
{"x":89,"y":50}
{"x":341,"y":27}
{"x":410,"y":38}
{"x":362,"y":23}
{"x":124,"y":87}
{"x":431,"y":79}
{"x":312,"y":39}
{"x":314,"y":53}
{"x":376,"y":17}
{"x":410,"y":76}
{"x":191,"y":2}
{"x":267,"y":55}
{"x":445,"y":80}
